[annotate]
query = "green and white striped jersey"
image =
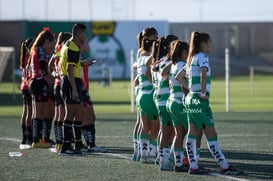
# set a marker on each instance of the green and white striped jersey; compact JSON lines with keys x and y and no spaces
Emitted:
{"x":162,"y":91}
{"x":194,"y":72}
{"x":145,"y":86}
{"x":176,"y":93}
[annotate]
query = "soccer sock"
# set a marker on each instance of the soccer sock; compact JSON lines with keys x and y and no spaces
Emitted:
{"x":49,"y":128}
{"x":191,"y":151}
{"x":56,"y":132}
{"x":216,"y":152}
{"x":46,"y":127}
{"x":86,"y":132}
{"x":37,"y":129}
{"x":68,"y":133}
{"x":24,"y":131}
{"x":135,"y":142}
{"x":93,"y":132}
{"x":78,"y":132}
{"x":60,"y":132}
{"x":178,"y":156}
{"x":29,"y":135}
{"x":198,"y":153}
{"x":144,"y":145}
{"x":153,"y":148}
{"x":165,"y":154}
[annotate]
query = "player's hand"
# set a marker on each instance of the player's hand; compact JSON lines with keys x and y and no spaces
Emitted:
{"x":88,"y":62}
{"x":204,"y":96}
{"x":75,"y":95}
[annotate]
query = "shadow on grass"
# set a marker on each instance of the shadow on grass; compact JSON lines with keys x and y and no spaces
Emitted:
{"x":11,"y":100}
{"x":254,"y":165}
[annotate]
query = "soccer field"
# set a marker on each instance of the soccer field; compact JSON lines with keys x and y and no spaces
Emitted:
{"x":246,"y":140}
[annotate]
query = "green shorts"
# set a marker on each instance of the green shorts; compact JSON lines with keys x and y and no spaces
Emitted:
{"x":164,"y":116}
{"x":178,"y":113}
{"x":147,"y":106}
{"x":198,"y":111}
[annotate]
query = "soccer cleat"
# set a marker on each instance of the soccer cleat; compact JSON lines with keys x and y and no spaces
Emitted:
{"x":157,"y":161}
{"x":24,"y":146}
{"x":182,"y":168}
{"x":97,"y":149}
{"x":166,"y":166}
{"x":135,"y":157}
{"x":70,"y":152}
{"x":83,"y":149}
{"x":198,"y":171}
{"x":230,"y":171}
{"x":143,"y":159}
{"x":41,"y":144}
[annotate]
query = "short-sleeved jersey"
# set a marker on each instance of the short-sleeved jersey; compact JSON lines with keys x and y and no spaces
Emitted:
{"x":145,"y":86}
{"x":37,"y":55}
{"x":176,"y":93}
{"x":163,"y":91}
{"x":194,"y":72}
{"x":70,"y":55}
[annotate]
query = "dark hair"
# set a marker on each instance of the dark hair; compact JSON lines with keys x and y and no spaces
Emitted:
{"x":155,"y":51}
{"x":195,"y":44}
{"x":149,"y":31}
{"x":77,"y":28}
{"x":44,"y":35}
{"x":25,"y":49}
{"x":178,"y":48}
{"x":139,"y":39}
{"x":62,"y":38}
{"x":164,"y":45}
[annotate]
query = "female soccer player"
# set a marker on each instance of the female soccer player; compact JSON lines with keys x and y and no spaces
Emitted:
{"x":43,"y":46}
{"x":27,"y":108}
{"x":175,"y":104}
{"x":197,"y":103}
{"x":161,"y":95}
{"x":58,"y":101}
{"x":148,"y":111}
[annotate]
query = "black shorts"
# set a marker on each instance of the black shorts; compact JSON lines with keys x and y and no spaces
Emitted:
{"x":39,"y":90}
{"x":67,"y":90}
{"x":26,"y":97}
{"x":58,"y":100}
{"x":86,"y":98}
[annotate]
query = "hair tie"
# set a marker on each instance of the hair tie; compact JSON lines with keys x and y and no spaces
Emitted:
{"x":46,"y":29}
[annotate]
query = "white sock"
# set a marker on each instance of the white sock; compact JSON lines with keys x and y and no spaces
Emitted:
{"x":152,"y":150}
{"x":191,"y":151}
{"x":135,"y":142}
{"x":179,"y":156}
{"x":144,"y":146}
{"x":216,"y":152}
{"x":165,"y":154}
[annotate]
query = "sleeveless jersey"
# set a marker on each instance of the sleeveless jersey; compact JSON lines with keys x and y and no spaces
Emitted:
{"x":37,"y":56}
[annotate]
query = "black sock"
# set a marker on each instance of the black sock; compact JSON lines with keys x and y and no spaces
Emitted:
{"x":59,"y":132}
{"x":68,"y":133}
{"x":29,"y":135}
{"x":37,"y":129}
{"x":56,"y":131}
{"x":78,"y":132}
{"x":46,"y":129}
{"x":24,"y":131}
{"x":86,"y":132}
{"x":93,"y":132}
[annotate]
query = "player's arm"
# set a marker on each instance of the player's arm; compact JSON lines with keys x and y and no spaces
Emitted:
{"x":203,"y":80}
{"x":71,"y":78}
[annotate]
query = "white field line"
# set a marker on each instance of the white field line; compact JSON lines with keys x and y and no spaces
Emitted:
{"x":227,"y":177}
{"x":129,"y":158}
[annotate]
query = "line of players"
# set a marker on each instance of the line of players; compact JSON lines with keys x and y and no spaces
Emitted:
{"x":172,"y":90}
{"x":47,"y":100}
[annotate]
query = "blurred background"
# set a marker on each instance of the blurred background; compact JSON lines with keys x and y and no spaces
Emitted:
{"x":245,"y":27}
